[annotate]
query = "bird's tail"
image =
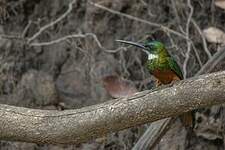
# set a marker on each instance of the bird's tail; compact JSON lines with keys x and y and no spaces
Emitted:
{"x":187,"y":119}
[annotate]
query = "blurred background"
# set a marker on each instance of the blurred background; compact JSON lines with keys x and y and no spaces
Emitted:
{"x":61,"y":55}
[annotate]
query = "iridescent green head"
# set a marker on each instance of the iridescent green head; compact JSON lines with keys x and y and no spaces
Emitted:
{"x":149,"y":47}
{"x":154,"y":47}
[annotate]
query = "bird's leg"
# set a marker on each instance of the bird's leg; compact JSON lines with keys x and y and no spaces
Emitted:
{"x":158,"y":83}
{"x":176,"y":78}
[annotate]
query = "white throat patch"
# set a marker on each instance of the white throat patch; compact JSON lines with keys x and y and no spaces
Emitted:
{"x":152,"y":56}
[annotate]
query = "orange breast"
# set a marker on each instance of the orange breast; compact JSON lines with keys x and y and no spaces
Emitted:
{"x":165,"y":76}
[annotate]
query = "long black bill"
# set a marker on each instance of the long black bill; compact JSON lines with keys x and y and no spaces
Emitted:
{"x":132,"y":43}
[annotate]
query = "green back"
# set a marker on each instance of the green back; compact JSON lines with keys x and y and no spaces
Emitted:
{"x":175,"y":67}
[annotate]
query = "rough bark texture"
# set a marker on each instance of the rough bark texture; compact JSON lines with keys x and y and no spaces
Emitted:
{"x":76,"y":126}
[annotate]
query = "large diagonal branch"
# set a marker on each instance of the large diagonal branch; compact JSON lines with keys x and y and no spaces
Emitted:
{"x":76,"y":126}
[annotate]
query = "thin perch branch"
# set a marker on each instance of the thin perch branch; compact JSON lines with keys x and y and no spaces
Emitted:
{"x":76,"y":126}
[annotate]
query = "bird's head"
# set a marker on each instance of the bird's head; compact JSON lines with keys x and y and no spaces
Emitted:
{"x":151,"y":48}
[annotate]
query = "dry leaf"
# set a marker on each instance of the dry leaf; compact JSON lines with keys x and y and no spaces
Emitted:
{"x":118,"y":87}
{"x":220,"y":3}
{"x":214,"y":35}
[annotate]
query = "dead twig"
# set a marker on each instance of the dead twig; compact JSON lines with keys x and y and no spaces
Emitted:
{"x":212,"y":62}
{"x":203,"y":38}
{"x":187,"y":55}
{"x":164,"y":28}
{"x":70,"y":7}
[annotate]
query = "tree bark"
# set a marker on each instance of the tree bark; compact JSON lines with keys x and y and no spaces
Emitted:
{"x":76,"y":126}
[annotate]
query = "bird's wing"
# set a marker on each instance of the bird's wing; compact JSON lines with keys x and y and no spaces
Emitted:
{"x":175,"y":67}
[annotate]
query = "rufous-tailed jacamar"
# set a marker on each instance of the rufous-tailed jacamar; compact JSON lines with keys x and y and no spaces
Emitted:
{"x":163,"y":67}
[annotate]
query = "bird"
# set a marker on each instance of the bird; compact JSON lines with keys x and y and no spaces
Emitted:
{"x":163,"y":67}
